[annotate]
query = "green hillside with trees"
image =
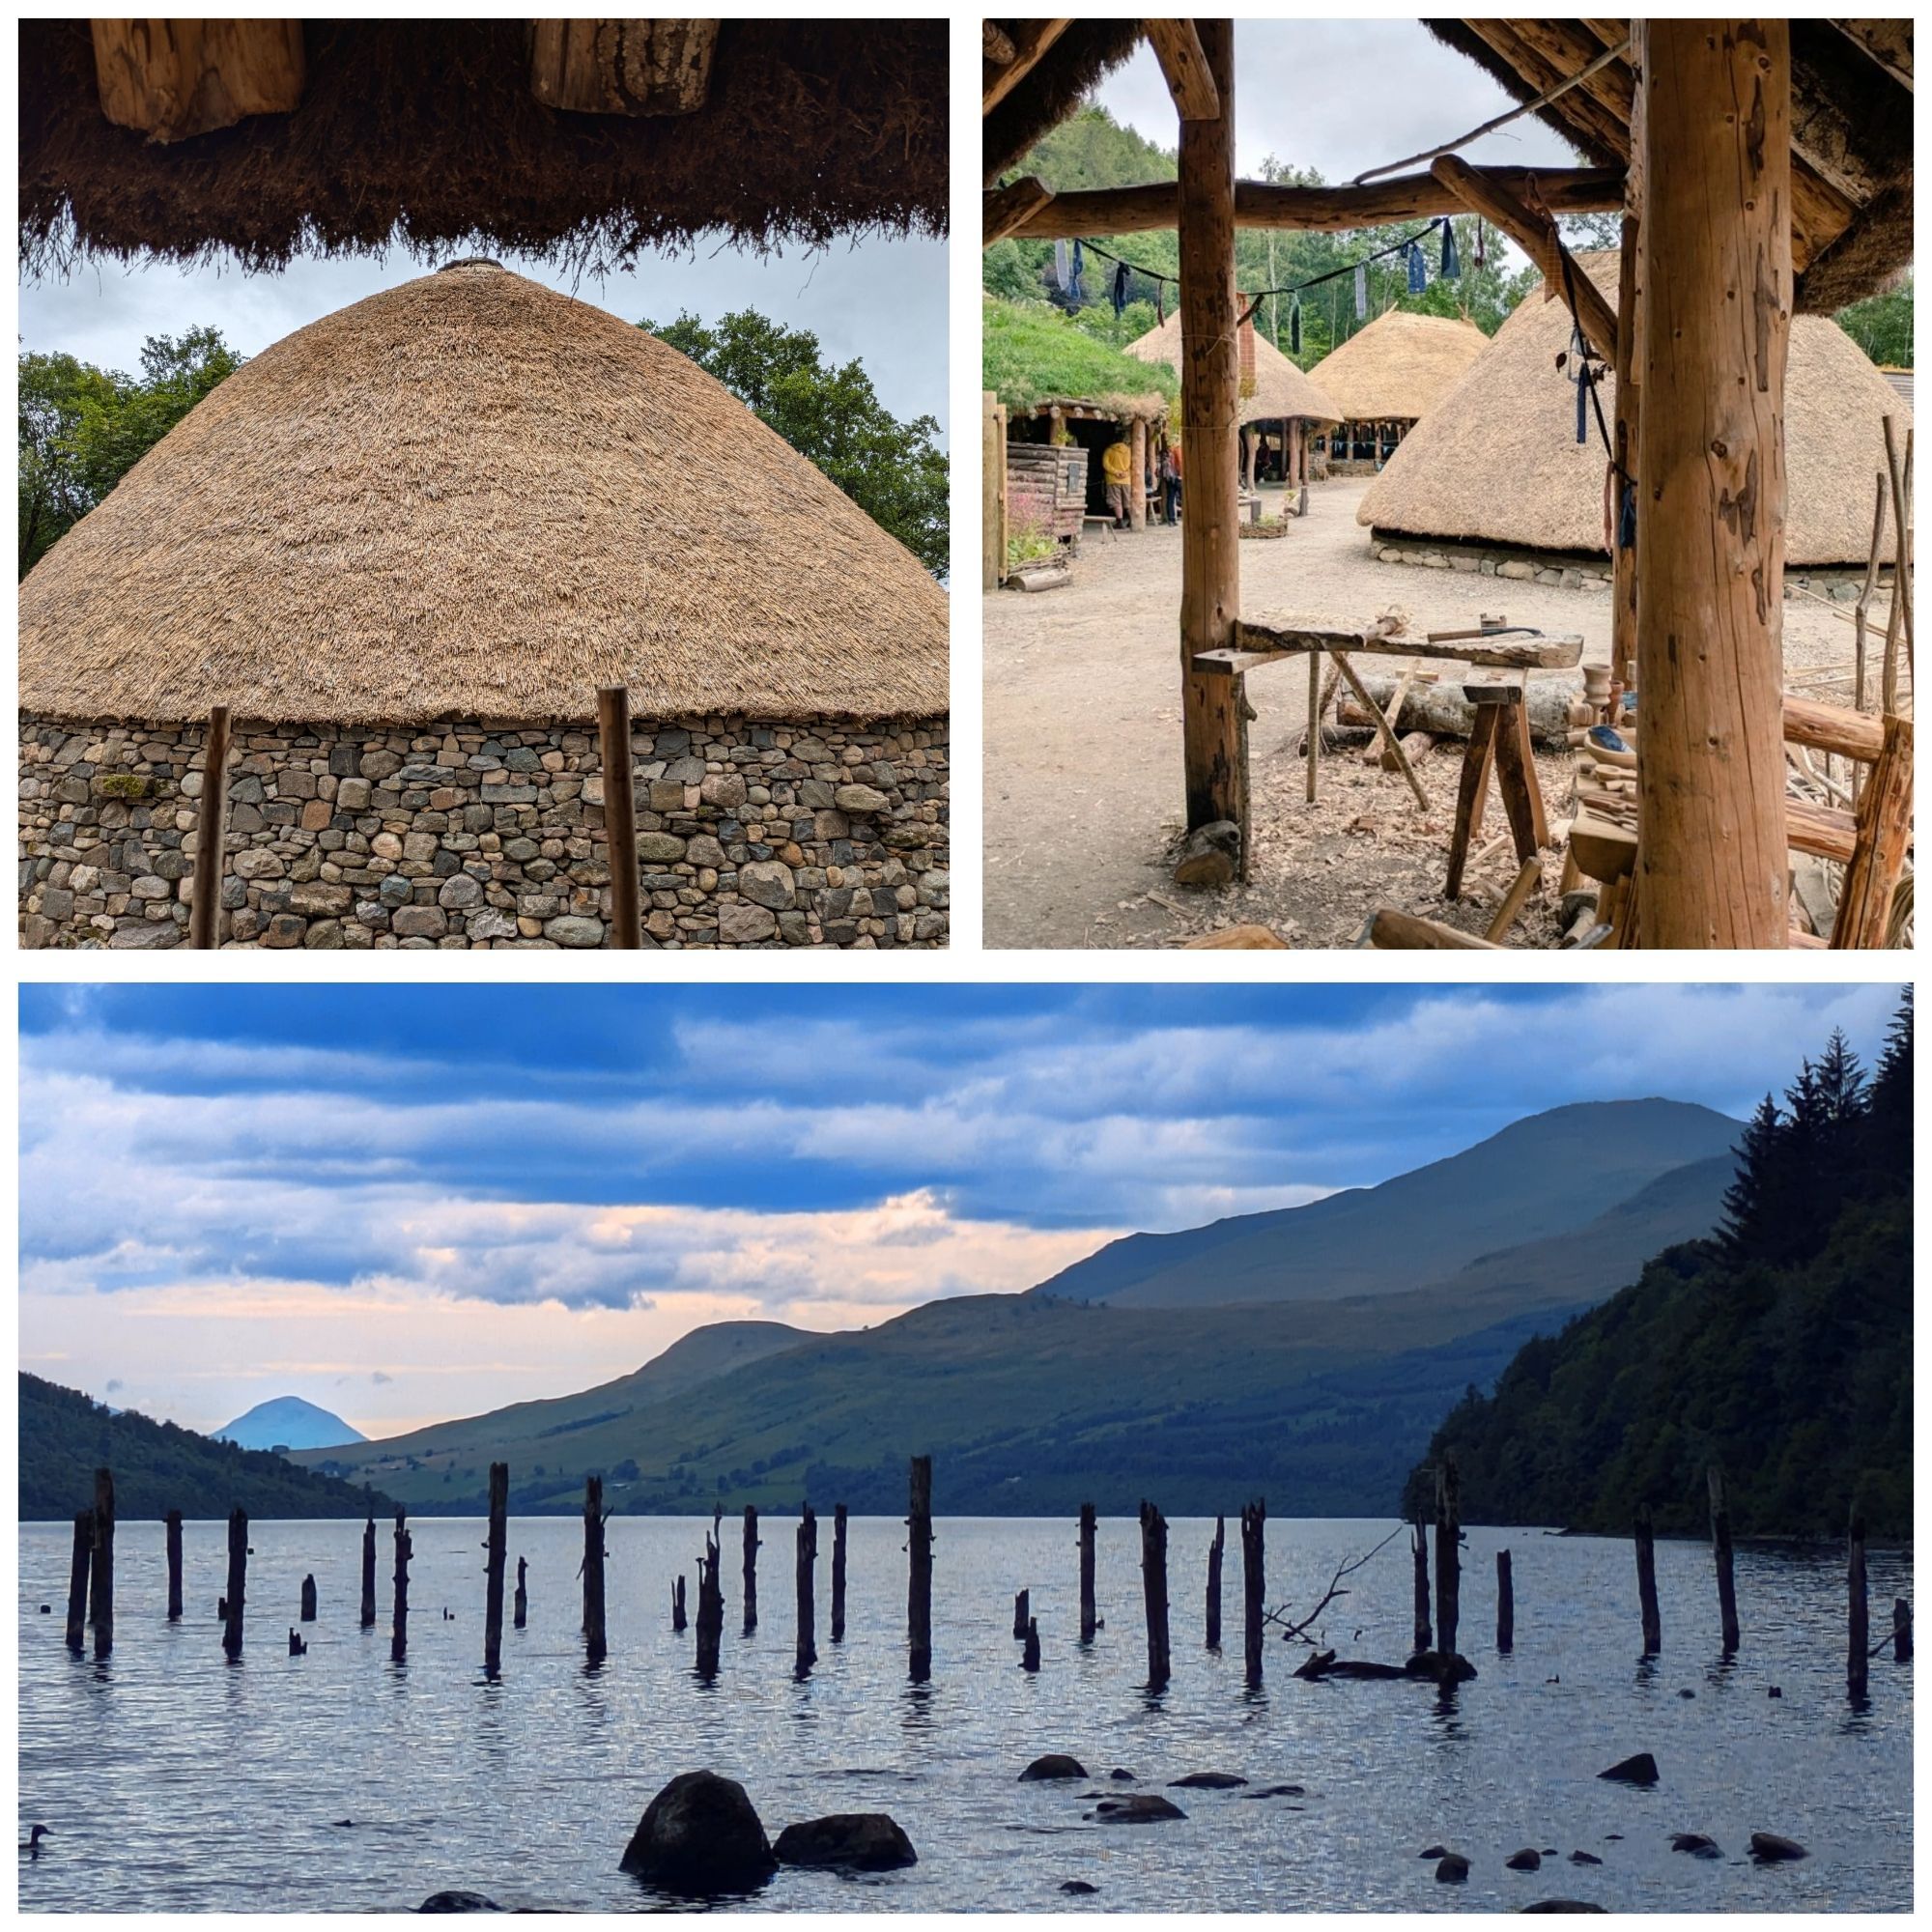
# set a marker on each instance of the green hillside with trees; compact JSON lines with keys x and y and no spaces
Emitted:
{"x":1781,"y":1348}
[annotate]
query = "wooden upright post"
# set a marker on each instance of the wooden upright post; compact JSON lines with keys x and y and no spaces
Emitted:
{"x":1216,"y":1547}
{"x":677,"y":1616}
{"x":807,"y":1648}
{"x":307,"y":1614}
{"x":1720,"y":1550}
{"x":1423,"y":1638}
{"x":76,"y":1581}
{"x":1505,"y":1604}
{"x":496,"y":1555}
{"x":1254,"y":1587}
{"x":1213,"y":708}
{"x":101,"y":1612}
{"x":211,"y":834}
{"x":1713,"y":300}
{"x":521,"y":1609}
{"x":174,"y":1544}
{"x":1448,"y":1555}
{"x":1882,"y":840}
{"x":593,"y":1569}
{"x":839,"y":1573}
{"x":918,"y":1570}
{"x":710,"y":1609}
{"x":1646,"y":1584}
{"x":236,"y":1600}
{"x":1901,"y":1630}
{"x":1029,"y":1639}
{"x":1857,"y":1646}
{"x":1137,"y":492}
{"x":1089,"y":1622}
{"x":1022,"y":1610}
{"x":620,"y":813}
{"x":750,"y":1569}
{"x":399,"y":1610}
{"x":1153,"y":1590}
{"x":369,"y":1575}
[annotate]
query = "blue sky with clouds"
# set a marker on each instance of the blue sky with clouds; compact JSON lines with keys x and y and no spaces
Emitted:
{"x":482,"y":1194}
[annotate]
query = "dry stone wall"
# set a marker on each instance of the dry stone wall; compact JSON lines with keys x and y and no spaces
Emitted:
{"x":815,"y":834}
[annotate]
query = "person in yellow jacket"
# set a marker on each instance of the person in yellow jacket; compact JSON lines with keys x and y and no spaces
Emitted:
{"x":1117,"y":467}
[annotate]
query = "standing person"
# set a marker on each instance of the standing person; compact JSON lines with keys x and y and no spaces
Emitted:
{"x":1170,"y":483}
{"x":1117,"y":466}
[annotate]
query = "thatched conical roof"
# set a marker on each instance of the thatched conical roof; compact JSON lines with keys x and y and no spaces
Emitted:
{"x":1281,"y":389}
{"x":472,"y":497}
{"x":1400,"y":366}
{"x":1498,"y":460}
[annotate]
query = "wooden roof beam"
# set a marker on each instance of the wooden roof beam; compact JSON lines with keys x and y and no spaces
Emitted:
{"x":1032,"y":40}
{"x":1887,"y":41}
{"x":1006,"y":207}
{"x":1176,"y":46}
{"x":171,"y":79}
{"x":637,"y":68}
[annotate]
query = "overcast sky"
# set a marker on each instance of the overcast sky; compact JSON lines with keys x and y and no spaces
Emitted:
{"x":883,"y":302}
{"x":412,"y":1202}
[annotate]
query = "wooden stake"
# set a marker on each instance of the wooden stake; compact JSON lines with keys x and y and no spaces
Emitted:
{"x":1529,"y":876}
{"x":1646,"y":1584}
{"x":1254,"y":1587}
{"x":496,"y":1554}
{"x":808,"y":1556}
{"x":211,"y":834}
{"x":521,"y":1609}
{"x":101,"y":1609}
{"x":1448,"y":1555}
{"x":1714,"y":295}
{"x":1088,"y":1620}
{"x":1857,"y":1645}
{"x":1423,"y":1638}
{"x":1720,"y":1550}
{"x":1153,"y":1590}
{"x":677,"y":1616}
{"x":710,"y":1609}
{"x":399,"y":1611}
{"x":593,"y":1569}
{"x":750,"y":1569}
{"x":1030,"y":1656}
{"x":174,"y":1544}
{"x":918,"y":1570}
{"x":620,"y":813}
{"x":369,"y":1575}
{"x":1505,"y":1604}
{"x":308,"y":1598}
{"x":1314,"y":740}
{"x":839,"y":1573}
{"x":1880,"y":846}
{"x":235,"y":1602}
{"x":76,"y":1581}
{"x":1215,"y":1549}
{"x":1022,"y":1601}
{"x":1901,"y":1630}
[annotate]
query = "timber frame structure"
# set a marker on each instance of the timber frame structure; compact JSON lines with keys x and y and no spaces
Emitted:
{"x":1788,"y":146}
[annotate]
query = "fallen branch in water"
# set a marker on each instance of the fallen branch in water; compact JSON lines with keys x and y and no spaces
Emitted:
{"x":1290,"y":1631}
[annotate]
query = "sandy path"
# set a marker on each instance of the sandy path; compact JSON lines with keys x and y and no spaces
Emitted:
{"x":1083,"y":744}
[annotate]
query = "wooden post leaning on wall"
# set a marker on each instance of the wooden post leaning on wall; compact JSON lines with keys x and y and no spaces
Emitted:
{"x":1089,"y":1622}
{"x":101,"y":1584}
{"x":620,"y":813}
{"x":594,"y":1650}
{"x":211,"y":836}
{"x":1153,"y":1591}
{"x":919,"y":1570}
{"x":1254,"y":1589}
{"x":839,"y":1573}
{"x":496,"y":1554}
{"x":369,"y":1575}
{"x":1646,"y":1584}
{"x":1448,"y":1555}
{"x":1721,"y":1553}
{"x":399,"y":1608}
{"x":235,"y":1602}
{"x":1215,"y":731}
{"x":1714,"y":300}
{"x":76,"y":1581}
{"x":173,"y":1548}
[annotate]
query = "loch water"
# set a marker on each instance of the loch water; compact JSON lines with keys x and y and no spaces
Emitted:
{"x":172,"y":1779}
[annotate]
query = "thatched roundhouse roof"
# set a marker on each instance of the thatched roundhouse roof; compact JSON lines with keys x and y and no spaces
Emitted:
{"x":430,"y":128}
{"x":1281,"y":389}
{"x":1497,"y":461}
{"x":1084,"y":52}
{"x":1400,"y":366}
{"x":470,"y":496}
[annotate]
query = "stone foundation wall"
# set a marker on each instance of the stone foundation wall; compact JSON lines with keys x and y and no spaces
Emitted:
{"x":457,"y":836}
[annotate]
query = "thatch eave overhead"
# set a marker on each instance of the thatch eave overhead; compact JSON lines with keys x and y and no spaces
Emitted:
{"x":1082,"y":55}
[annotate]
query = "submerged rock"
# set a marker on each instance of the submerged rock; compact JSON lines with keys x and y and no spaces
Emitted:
{"x":1452,"y":1868}
{"x":1526,"y":1860}
{"x":1206,"y":1781}
{"x":1137,"y":1807}
{"x":1584,"y":1859}
{"x":1434,"y":1852}
{"x":1078,"y":1888}
{"x":1562,"y":1905}
{"x":458,"y":1901}
{"x":1120,"y":1776}
{"x":1638,"y":1770}
{"x":1439,"y":1667}
{"x":1277,"y":1791}
{"x":1768,"y":1848}
{"x":700,"y":1834}
{"x":1054,"y":1764}
{"x":846,"y":1842}
{"x":1695,"y":1843}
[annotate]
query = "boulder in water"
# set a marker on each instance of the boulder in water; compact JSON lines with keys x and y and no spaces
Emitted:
{"x":1078,"y":1888}
{"x":1439,"y":1667}
{"x":1434,"y":1852}
{"x":1584,"y":1859}
{"x":1451,"y":1868}
{"x":458,"y":1901}
{"x":1137,"y":1807}
{"x":1120,"y":1776}
{"x":1054,"y":1764}
{"x":1696,"y":1844}
{"x":700,"y":1834}
{"x":1562,"y":1905}
{"x":1768,"y":1848}
{"x":1526,"y":1860}
{"x":1638,"y":1770}
{"x":846,"y":1842}
{"x":1206,"y":1781}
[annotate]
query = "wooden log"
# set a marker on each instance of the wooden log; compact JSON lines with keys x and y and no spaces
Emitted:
{"x":1898,"y":618}
{"x":1215,"y":1549}
{"x":1858,"y":1622}
{"x":1183,"y":66}
{"x":210,"y":835}
{"x":399,"y":1609}
{"x":1720,"y":1551}
{"x":1832,"y":727}
{"x":1714,"y":293}
{"x":234,"y":1601}
{"x":1472,"y":786}
{"x":620,"y":813}
{"x":1821,"y":829}
{"x":1254,"y":1589}
{"x":1137,"y":495}
{"x":496,"y":1555}
{"x":1030,"y":1654}
{"x":1392,"y":931}
{"x":919,"y":1570}
{"x":710,"y":1632}
{"x":806,"y":1647}
{"x":368,"y":1620}
{"x":1901,"y":1630}
{"x":308,"y":1598}
{"x":996,"y":44}
{"x":1646,"y":1584}
{"x":1882,"y":842}
{"x":520,"y":1608}
{"x":839,"y":1573}
{"x":1004,"y":209}
{"x":1030,"y":41}
{"x":1516,"y":776}
{"x":1418,"y":1544}
{"x":1529,"y":876}
{"x":1154,"y":1592}
{"x":1390,"y":743}
{"x":1089,"y":1622}
{"x":1215,"y":731}
{"x":172,"y":80}
{"x":1311,"y":732}
{"x":750,"y":1569}
{"x":100,"y":1575}
{"x":622,"y":66}
{"x":677,"y":1616}
{"x":1442,"y":711}
{"x":174,"y":1548}
{"x":595,"y":1648}
{"x":1289,"y":636}
{"x":1448,"y":1555}
{"x":76,"y":1581}
{"x":1626,"y":432}
{"x":1022,"y":1601}
{"x":1505,"y":1604}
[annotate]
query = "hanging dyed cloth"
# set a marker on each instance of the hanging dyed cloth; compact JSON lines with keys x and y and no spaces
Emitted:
{"x":1452,"y":267}
{"x":1060,"y":272}
{"x":1294,"y":327}
{"x":1361,"y":292}
{"x":1073,"y":287}
{"x":1579,"y":360}
{"x":1626,"y":522}
{"x":1119,"y":287}
{"x":1418,"y":278}
{"x":1479,"y":241}
{"x":1159,"y":304}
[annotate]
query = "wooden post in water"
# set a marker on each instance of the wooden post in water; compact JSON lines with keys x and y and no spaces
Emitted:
{"x":1022,"y":1599}
{"x":521,"y":1609}
{"x":235,"y":1602}
{"x":211,"y":832}
{"x":750,"y":1569}
{"x":100,"y":1581}
{"x":1030,"y":1656}
{"x":496,"y":1555}
{"x":808,"y":1558}
{"x":369,"y":1575}
{"x":77,"y":1580}
{"x":839,"y":1573}
{"x":308,"y":1598}
{"x":620,"y":813}
{"x":1505,"y":1604}
{"x":710,"y":1609}
{"x":174,"y":1566}
{"x":1448,"y":1555}
{"x":1089,"y":1622}
{"x":1254,"y":1586}
{"x":1218,"y":1545}
{"x":677,"y":1616}
{"x":399,"y":1615}
{"x":1153,"y":1589}
{"x":1901,"y":1630}
{"x":1646,"y":1583}
{"x":593,"y":1569}
{"x":1424,"y":1634}
{"x":1720,"y":1550}
{"x":1857,"y":1646}
{"x":919,"y":1576}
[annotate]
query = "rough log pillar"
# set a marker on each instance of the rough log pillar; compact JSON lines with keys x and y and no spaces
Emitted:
{"x":593,"y":1569}
{"x":750,"y":1569}
{"x":677,"y":1616}
{"x":1254,"y":1587}
{"x":1625,"y":430}
{"x":1858,"y":1622}
{"x":1646,"y":1585}
{"x":76,"y":1581}
{"x":620,"y":813}
{"x":1137,"y":495}
{"x":369,"y":1575}
{"x":307,"y":1614}
{"x":1213,"y":708}
{"x":399,"y":1610}
{"x":839,"y":1573}
{"x":1901,"y":1630}
{"x":1505,"y":1603}
{"x":1215,"y":1551}
{"x":1424,"y":1637}
{"x":1022,"y":1610}
{"x":174,"y":1536}
{"x":1030,"y":1654}
{"x":1713,"y":298}
{"x":520,"y":1609}
{"x":1089,"y":1622}
{"x":234,"y":1603}
{"x":211,"y":834}
{"x":710,"y":1608}
{"x":496,"y":1553}
{"x":1448,"y":1555}
{"x":807,"y":1647}
{"x":101,"y":1607}
{"x":919,"y":1570}
{"x":1720,"y":1551}
{"x":1153,"y":1589}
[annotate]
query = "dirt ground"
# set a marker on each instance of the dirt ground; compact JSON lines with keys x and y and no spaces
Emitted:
{"x":1083,"y":781}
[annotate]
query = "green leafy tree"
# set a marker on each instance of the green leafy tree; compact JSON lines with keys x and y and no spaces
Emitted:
{"x":893,"y":471}
{"x":1882,"y":326}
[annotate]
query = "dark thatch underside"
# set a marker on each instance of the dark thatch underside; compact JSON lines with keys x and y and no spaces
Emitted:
{"x":1074,"y":65}
{"x":427,"y":132}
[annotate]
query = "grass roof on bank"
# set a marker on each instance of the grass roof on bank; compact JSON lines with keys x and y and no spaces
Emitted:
{"x":470,"y":496}
{"x":1280,"y":389}
{"x":428,"y":130}
{"x":1031,"y":355}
